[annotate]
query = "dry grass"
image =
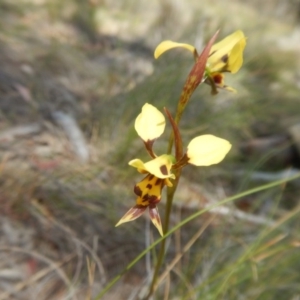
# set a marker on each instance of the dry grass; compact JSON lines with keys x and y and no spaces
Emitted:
{"x":92,"y":63}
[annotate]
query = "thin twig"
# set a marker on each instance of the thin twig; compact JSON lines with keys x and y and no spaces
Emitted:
{"x":167,"y":288}
{"x":224,"y":210}
{"x":74,"y":134}
{"x":184,"y":250}
{"x":83,"y":244}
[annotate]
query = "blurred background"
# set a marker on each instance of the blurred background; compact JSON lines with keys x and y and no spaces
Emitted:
{"x":74,"y":75}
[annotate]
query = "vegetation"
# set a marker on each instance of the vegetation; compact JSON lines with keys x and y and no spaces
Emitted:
{"x":74,"y":75}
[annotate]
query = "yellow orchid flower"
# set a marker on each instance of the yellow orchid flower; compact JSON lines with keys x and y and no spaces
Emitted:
{"x":204,"y":150}
{"x":224,"y":56}
{"x":148,"y":190}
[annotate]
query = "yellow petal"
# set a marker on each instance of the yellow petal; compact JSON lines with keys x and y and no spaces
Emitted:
{"x":137,"y":163}
{"x":220,"y":53}
{"x":132,"y":214}
{"x":155,"y":218}
{"x":160,"y":166}
{"x":167,"y":45}
{"x":235,"y":60}
{"x":150,"y":123}
{"x":206,"y":150}
{"x":227,"y":43}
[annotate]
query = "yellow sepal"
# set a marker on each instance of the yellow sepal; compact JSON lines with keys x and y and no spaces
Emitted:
{"x":206,"y":150}
{"x":155,"y":218}
{"x":167,"y":45}
{"x":150,"y":123}
{"x":227,"y":55}
{"x":133,"y":213}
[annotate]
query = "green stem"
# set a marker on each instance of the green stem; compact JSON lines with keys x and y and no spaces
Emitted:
{"x":193,"y":80}
{"x":170,"y":195}
{"x":161,"y":254}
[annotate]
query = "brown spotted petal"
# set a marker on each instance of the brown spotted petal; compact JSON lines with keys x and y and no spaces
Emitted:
{"x":133,"y":213}
{"x":155,"y":218}
{"x":149,"y":190}
{"x":159,"y":167}
{"x":148,"y":193}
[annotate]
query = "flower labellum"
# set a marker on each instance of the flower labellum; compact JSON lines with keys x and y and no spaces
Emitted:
{"x":148,"y":193}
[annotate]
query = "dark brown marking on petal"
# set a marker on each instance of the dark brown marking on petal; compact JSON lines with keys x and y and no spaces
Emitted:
{"x":145,"y":198}
{"x":151,"y":177}
{"x":138,"y":206}
{"x":149,"y":186}
{"x":164,"y":170}
{"x":158,"y":181}
{"x":218,"y":78}
{"x":151,"y":199}
{"x":154,"y":199}
{"x":224,"y":58}
{"x":137,"y":191}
